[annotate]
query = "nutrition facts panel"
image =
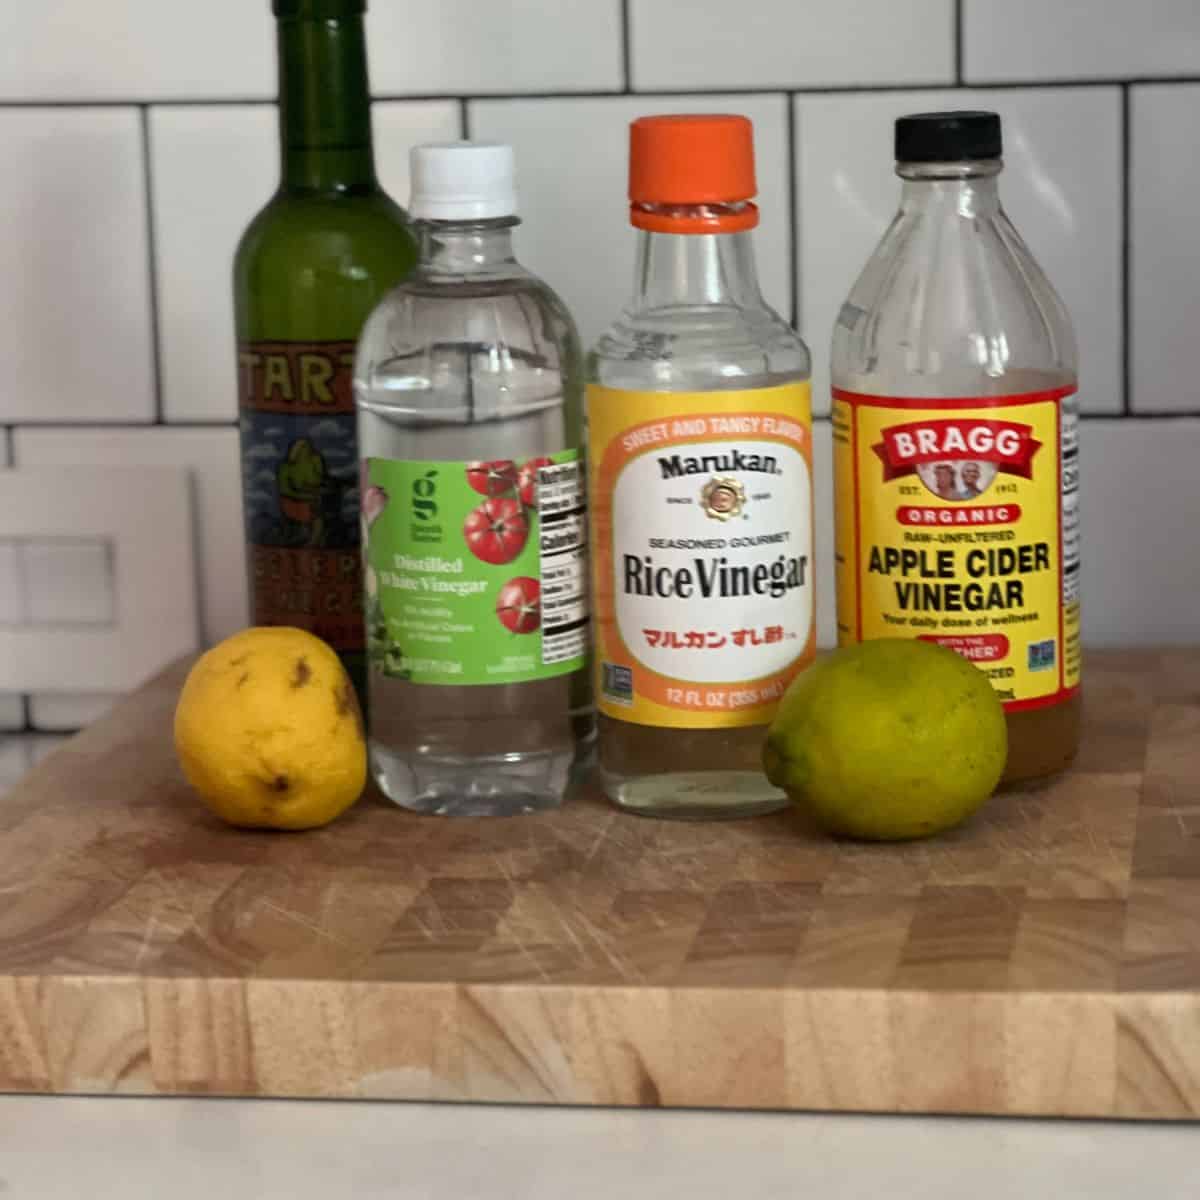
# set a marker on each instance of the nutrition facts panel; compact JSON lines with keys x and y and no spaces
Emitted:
{"x":1070,"y":507}
{"x":563,"y":514}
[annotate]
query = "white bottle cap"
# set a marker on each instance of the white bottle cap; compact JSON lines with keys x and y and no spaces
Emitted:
{"x":462,"y":181}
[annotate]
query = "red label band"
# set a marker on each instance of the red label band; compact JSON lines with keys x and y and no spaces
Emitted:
{"x":1009,"y":445}
{"x":317,"y":590}
{"x":974,"y":516}
{"x":306,"y":378}
{"x":949,"y":403}
{"x":1059,"y":697}
{"x":979,"y":648}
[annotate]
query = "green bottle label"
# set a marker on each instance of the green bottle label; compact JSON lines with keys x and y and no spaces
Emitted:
{"x":476,"y":572}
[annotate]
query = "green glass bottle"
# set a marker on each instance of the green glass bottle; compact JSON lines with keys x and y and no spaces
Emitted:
{"x":308,"y":271}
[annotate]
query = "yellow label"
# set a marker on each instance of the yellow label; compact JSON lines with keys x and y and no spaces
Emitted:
{"x":702,"y":561}
{"x":957,"y":523}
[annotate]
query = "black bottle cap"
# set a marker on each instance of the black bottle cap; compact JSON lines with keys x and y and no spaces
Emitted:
{"x":947,"y":137}
{"x":317,"y":10}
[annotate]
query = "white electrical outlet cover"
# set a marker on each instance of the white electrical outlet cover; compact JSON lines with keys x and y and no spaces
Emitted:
{"x":145,"y":514}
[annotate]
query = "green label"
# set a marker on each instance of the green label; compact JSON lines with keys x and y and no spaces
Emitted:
{"x":476,"y":572}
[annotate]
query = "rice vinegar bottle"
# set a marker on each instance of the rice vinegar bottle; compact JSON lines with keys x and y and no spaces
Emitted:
{"x":700,"y":465}
{"x":955,"y":422}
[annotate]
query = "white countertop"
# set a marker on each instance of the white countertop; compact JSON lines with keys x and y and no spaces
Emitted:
{"x":57,"y":1148}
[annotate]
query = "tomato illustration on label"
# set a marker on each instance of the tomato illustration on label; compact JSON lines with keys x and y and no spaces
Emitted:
{"x":496,"y":531}
{"x":527,"y":480}
{"x":464,"y":589}
{"x":519,"y":605}
{"x":496,"y":478}
{"x":374,"y":501}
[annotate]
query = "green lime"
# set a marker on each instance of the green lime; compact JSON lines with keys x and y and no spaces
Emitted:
{"x":888,"y":740}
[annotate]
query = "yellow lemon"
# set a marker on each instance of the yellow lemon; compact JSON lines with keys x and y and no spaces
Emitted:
{"x":269,"y":732}
{"x":888,"y":740}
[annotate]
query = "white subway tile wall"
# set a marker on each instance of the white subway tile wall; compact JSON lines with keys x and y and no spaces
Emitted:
{"x":575,"y":213}
{"x":12,"y":590}
{"x":709,"y":44}
{"x":1164,"y":248}
{"x":75,"y":319}
{"x":1141,"y":552}
{"x":1061,"y":186}
{"x":140,"y":139}
{"x":486,"y":46}
{"x":81,"y":50}
{"x":400,"y":125}
{"x":1032,"y":40}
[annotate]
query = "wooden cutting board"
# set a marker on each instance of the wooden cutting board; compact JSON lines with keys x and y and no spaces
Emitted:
{"x":1043,"y":960}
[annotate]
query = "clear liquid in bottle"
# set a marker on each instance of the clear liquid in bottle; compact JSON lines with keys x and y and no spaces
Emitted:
{"x":468,"y":383}
{"x":700,"y":460}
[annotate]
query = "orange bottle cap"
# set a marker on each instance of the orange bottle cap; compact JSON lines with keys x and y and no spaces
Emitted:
{"x":690,"y":161}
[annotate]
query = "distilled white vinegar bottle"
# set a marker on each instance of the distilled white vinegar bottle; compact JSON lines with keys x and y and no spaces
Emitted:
{"x":469,"y":388}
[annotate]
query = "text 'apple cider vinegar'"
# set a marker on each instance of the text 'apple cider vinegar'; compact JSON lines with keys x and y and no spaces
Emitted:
{"x":955,"y":424}
{"x":700,"y":465}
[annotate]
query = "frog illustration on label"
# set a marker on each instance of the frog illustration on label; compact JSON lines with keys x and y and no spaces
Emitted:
{"x":300,"y":478}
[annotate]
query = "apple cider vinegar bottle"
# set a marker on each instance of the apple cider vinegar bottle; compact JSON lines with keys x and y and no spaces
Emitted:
{"x":955,"y":421}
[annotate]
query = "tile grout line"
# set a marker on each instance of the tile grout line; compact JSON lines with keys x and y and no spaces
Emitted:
{"x":793,"y":203}
{"x":98,"y":426}
{"x":958,"y":42}
{"x":613,"y":93}
{"x":152,"y":263}
{"x":1126,"y":240}
{"x":1150,"y":416}
{"x":626,"y":49}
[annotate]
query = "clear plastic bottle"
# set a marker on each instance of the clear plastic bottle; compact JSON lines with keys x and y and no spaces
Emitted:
{"x":700,"y":464}
{"x":956,"y":440}
{"x":468,"y":382}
